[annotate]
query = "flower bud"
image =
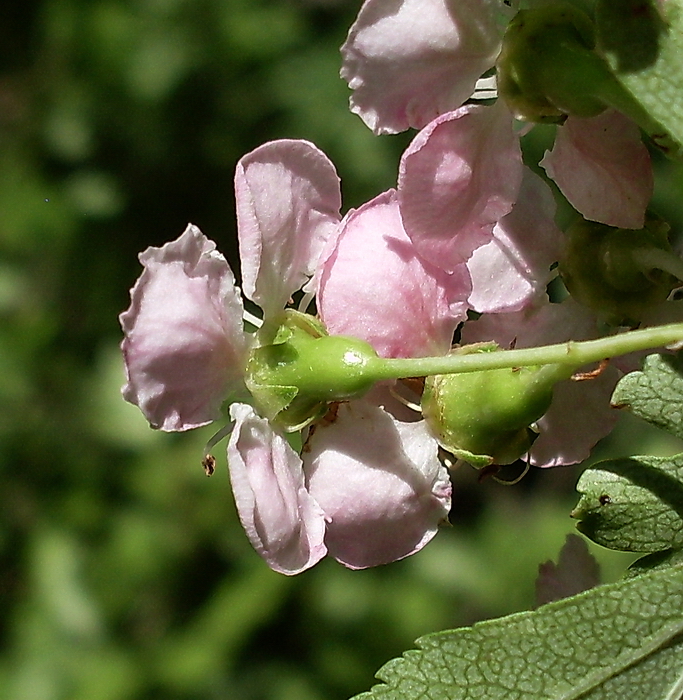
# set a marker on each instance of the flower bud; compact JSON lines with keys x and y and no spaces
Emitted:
{"x":610,"y":270}
{"x":293,"y":378}
{"x":485,"y":417}
{"x":548,"y":68}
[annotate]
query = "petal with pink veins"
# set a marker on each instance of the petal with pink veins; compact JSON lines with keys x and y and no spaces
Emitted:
{"x":380,"y":484}
{"x":603,"y":168}
{"x":283,"y":522}
{"x":288,"y":200}
{"x":460,"y":175}
{"x":408,"y":61}
{"x":512,"y":270}
{"x":374,"y":286}
{"x":184,"y":346}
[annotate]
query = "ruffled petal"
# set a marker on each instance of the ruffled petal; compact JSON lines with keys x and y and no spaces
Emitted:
{"x":512,"y":270}
{"x":459,"y":176}
{"x":374,"y":286}
{"x":288,"y":200}
{"x":380,"y":484}
{"x":283,"y":522}
{"x":409,"y":61}
{"x":184,"y":346}
{"x":603,"y":168}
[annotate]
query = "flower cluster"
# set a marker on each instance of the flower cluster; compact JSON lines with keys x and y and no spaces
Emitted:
{"x":465,"y":244}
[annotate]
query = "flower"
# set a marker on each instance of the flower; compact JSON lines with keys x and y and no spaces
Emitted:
{"x":407,"y":64}
{"x":367,"y":488}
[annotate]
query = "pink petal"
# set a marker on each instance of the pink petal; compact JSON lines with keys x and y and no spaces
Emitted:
{"x":512,"y":270}
{"x":580,"y":412}
{"x":375,"y":287}
{"x":184,"y":344}
{"x":282,"y":520}
{"x":459,"y":176}
{"x":603,"y":168}
{"x":288,"y":202}
{"x":579,"y":416}
{"x":410,"y":61}
{"x":380,"y":484}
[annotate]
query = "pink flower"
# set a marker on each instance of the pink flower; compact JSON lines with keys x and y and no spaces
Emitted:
{"x":410,"y":62}
{"x":603,"y":168}
{"x":184,"y":347}
{"x":580,"y":413}
{"x":186,"y":354}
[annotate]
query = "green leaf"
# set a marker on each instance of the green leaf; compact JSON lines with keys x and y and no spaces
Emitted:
{"x":633,"y":504}
{"x":656,"y":393}
{"x":610,"y":643}
{"x":643,"y":43}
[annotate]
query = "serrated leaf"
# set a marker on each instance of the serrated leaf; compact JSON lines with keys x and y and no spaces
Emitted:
{"x":656,"y":393}
{"x":633,"y":504}
{"x":654,"y":561}
{"x":616,"y":642}
{"x":643,"y":42}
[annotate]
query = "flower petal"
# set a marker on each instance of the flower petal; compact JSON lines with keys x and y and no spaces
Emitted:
{"x":374,"y":286}
{"x":380,"y":484}
{"x":184,"y":345}
{"x":603,"y":168}
{"x":459,"y":176}
{"x":282,"y":520}
{"x":288,"y":202}
{"x":410,"y":60}
{"x":512,"y":270}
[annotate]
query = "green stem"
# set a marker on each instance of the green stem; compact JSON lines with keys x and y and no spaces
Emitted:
{"x":568,"y":356}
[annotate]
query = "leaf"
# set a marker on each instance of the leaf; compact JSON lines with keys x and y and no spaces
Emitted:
{"x":643,"y":43}
{"x":615,"y":642}
{"x":576,"y":571}
{"x":656,"y":393}
{"x":633,"y":504}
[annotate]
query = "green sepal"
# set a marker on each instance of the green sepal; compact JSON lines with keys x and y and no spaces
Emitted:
{"x":602,"y":268}
{"x":485,"y":417}
{"x":548,"y":67}
{"x":294,"y":378}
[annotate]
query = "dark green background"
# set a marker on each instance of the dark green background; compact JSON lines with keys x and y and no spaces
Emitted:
{"x":123,"y":571}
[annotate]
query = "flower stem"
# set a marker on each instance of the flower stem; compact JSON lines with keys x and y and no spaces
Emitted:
{"x":571,"y":355}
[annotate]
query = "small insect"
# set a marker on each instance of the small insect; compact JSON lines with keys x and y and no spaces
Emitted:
{"x":209,"y":464}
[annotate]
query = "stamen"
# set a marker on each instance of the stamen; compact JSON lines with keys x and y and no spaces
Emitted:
{"x":251,"y":319}
{"x":408,"y":404}
{"x":592,"y":374}
{"x":305,"y":302}
{"x":209,"y":464}
{"x":516,"y":480}
{"x":485,"y":89}
{"x":209,"y":461}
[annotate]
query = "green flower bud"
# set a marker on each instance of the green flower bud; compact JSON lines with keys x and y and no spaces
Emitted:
{"x":485,"y":417}
{"x":614,"y":271}
{"x":548,"y":67}
{"x":294,"y":378}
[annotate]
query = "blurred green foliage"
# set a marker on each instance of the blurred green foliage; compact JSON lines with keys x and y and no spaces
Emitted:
{"x":124,"y":573}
